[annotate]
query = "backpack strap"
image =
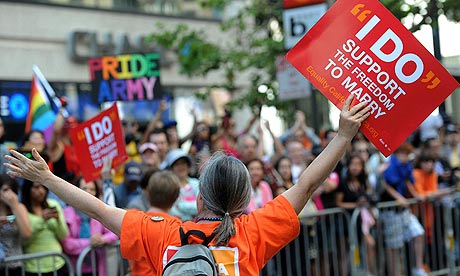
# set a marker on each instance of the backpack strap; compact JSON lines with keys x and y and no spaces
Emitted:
{"x":184,"y":236}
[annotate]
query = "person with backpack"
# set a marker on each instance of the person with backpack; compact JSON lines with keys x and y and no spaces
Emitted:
{"x":241,"y":244}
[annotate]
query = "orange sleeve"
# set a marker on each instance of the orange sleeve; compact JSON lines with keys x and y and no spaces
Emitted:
{"x":271,"y":227}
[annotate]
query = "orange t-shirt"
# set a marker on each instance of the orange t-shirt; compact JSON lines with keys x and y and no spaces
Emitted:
{"x":259,"y":236}
{"x":144,"y":267}
{"x":425,"y":183}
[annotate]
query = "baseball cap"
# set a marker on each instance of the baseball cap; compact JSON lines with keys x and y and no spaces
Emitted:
{"x":148,"y":146}
{"x":169,"y":123}
{"x":133,"y":171}
{"x":176,"y":154}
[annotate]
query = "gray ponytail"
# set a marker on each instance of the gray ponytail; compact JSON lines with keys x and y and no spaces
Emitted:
{"x":226,"y":191}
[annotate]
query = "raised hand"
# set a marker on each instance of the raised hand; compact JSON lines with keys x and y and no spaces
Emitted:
{"x":33,"y":170}
{"x":9,"y":197}
{"x":107,"y":172}
{"x":351,"y":118}
{"x":299,"y":117}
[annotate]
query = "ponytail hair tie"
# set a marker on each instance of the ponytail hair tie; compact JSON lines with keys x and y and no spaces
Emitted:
{"x":227,"y":214}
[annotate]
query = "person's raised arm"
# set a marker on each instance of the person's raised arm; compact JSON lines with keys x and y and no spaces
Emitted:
{"x":261,"y":142}
{"x":108,"y":196}
{"x":279,"y":148}
{"x":255,"y":116}
{"x":192,"y":132}
{"x":308,"y":131}
{"x":163,"y":105}
{"x":37,"y":171}
{"x":315,"y":174}
{"x":56,"y":135}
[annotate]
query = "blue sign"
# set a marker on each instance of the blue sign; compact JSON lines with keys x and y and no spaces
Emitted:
{"x":14,"y":101}
{"x":19,"y":106}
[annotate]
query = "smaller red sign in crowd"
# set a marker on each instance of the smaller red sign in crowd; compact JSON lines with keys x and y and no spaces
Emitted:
{"x":362,"y":49}
{"x":97,"y":139}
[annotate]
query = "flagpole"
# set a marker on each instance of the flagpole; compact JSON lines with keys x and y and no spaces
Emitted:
{"x":48,"y":89}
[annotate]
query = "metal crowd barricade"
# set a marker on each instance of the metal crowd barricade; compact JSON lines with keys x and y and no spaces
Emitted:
{"x":440,"y":218}
{"x":453,"y":235}
{"x":37,"y":257}
{"x":121,"y":264}
{"x":320,"y":249}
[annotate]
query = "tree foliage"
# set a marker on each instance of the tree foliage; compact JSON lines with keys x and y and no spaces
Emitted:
{"x":257,"y":43}
{"x":422,"y":12}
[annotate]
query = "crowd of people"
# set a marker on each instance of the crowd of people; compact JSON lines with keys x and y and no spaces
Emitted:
{"x":172,"y":177}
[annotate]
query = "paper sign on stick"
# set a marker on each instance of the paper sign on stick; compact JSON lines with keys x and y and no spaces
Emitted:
{"x":359,"y":47}
{"x":97,"y":139}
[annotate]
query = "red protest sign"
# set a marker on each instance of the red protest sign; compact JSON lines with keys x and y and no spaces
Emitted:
{"x":364,"y":50}
{"x":97,"y":139}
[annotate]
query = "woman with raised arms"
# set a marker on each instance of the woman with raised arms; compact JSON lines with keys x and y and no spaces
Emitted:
{"x":225,"y":190}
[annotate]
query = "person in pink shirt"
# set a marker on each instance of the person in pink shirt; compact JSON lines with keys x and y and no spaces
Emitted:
{"x":85,"y":231}
{"x":261,"y":190}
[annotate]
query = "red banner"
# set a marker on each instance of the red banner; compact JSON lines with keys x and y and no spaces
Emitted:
{"x":97,"y":139}
{"x":359,"y":47}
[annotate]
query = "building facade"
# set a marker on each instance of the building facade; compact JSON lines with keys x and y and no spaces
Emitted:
{"x":59,"y":36}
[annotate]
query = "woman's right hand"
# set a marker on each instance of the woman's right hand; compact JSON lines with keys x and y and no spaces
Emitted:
{"x":20,"y":166}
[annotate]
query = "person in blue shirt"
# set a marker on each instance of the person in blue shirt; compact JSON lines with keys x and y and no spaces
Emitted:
{"x":130,"y":188}
{"x":399,"y":224}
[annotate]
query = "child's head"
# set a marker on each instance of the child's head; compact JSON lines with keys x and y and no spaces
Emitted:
{"x":426,"y":163}
{"x":403,"y":152}
{"x":163,"y":189}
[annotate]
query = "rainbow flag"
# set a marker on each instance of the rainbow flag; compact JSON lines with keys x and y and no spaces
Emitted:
{"x":42,"y":112}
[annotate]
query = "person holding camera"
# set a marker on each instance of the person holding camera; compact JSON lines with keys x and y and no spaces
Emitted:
{"x":49,"y":228}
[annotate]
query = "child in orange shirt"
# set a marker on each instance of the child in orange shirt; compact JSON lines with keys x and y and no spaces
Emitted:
{"x":426,"y":185}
